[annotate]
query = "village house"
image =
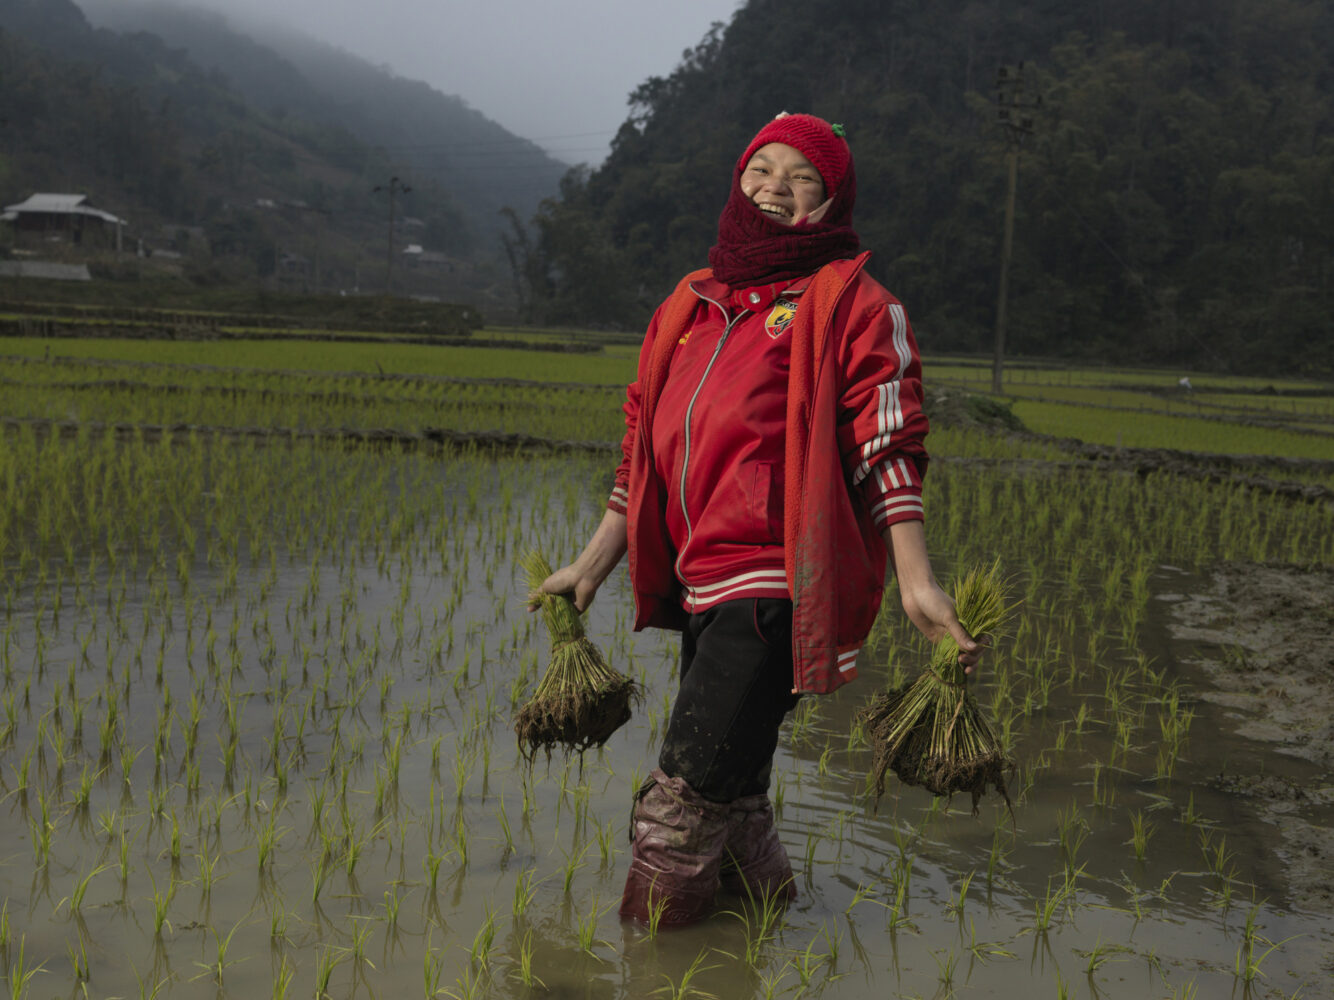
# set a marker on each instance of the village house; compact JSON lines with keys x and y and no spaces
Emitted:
{"x":64,"y":217}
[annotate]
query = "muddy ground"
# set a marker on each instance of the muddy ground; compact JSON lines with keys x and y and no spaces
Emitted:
{"x":1264,"y":637}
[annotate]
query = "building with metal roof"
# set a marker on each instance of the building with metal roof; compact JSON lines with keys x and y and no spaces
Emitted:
{"x":61,"y":215}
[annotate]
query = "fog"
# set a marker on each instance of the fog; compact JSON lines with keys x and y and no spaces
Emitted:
{"x":556,"y":73}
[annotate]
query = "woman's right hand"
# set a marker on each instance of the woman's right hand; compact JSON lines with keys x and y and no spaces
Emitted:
{"x":594,"y":564}
{"x":574,"y":581}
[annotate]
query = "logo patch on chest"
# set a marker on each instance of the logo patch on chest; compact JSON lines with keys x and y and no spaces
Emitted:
{"x":780,"y":318}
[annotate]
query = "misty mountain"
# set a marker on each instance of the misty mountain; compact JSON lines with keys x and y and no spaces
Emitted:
{"x":423,"y":134}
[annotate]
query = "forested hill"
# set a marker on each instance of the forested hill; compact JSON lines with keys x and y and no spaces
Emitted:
{"x":282,"y":73}
{"x":1175,"y":200}
{"x":261,"y":155}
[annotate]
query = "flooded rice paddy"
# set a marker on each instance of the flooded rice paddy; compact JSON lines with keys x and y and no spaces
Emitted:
{"x":255,"y":740}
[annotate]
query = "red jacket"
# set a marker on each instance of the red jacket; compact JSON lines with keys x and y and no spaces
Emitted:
{"x":735,"y":389}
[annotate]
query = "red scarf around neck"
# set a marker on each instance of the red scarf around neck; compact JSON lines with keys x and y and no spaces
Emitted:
{"x":754,"y":249}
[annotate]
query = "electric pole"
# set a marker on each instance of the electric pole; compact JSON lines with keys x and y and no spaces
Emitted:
{"x":395,"y":186}
{"x":1016,"y":124}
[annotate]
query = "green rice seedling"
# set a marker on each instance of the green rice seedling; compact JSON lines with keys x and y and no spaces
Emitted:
{"x":282,"y":979}
{"x":946,"y":967}
{"x":75,"y":898}
{"x":43,"y":831}
{"x":932,"y":732}
{"x":393,"y":899}
{"x":318,"y":873}
{"x":580,"y":700}
{"x":266,"y":841}
{"x":433,"y":966}
{"x":807,"y":963}
{"x":479,"y":955}
{"x":685,"y":989}
{"x":956,"y":905}
{"x":278,"y":922}
{"x":1100,"y":954}
{"x":984,"y":950}
{"x":432,"y":865}
{"x":1140,"y":832}
{"x":207,"y":872}
{"x":604,"y":834}
{"x":174,"y":844}
{"x":78,"y":960}
{"x":161,"y":903}
{"x":216,"y":968}
{"x":524,"y":968}
{"x":1044,"y":910}
{"x":1217,"y":856}
{"x":525,"y":888}
{"x":327,"y":958}
{"x":901,"y":878}
{"x":994,"y":857}
{"x":588,"y":926}
{"x":20,"y":790}
{"x":19,"y":975}
{"x":123,"y":855}
{"x":353,"y":847}
{"x":1246,"y":964}
{"x":361,"y":933}
{"x":1072,"y":831}
{"x":656,"y":909}
{"x":503,"y":819}
{"x":1189,"y":816}
{"x":1104,"y":792}
{"x":573,"y":862}
{"x":767,"y":910}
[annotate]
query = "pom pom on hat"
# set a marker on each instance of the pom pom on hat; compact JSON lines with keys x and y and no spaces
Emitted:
{"x":823,"y":144}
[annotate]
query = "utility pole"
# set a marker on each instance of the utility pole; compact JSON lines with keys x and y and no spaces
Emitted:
{"x":1011,"y":108}
{"x":395,"y":186}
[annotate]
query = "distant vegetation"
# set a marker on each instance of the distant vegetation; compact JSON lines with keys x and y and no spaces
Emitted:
{"x":1174,"y":203}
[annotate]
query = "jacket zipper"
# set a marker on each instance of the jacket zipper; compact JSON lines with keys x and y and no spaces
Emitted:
{"x":690,"y":409}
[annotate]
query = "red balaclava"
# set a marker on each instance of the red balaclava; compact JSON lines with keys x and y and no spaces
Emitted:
{"x":754,"y":249}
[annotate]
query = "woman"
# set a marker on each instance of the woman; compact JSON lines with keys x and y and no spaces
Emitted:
{"x":774,"y":430}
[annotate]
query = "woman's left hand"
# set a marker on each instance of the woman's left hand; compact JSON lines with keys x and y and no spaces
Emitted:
{"x":932,"y":610}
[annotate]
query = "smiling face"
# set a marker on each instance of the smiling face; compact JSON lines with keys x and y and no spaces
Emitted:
{"x":782,"y":183}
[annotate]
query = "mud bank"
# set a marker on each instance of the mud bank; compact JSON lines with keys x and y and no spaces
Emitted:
{"x":1264,"y":638}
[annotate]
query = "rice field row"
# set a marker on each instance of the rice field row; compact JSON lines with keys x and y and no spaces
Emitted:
{"x":608,"y":367}
{"x":1160,"y":431}
{"x":1057,"y":374}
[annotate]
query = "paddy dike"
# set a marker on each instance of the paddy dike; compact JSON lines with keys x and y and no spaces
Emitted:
{"x":1263,"y":637}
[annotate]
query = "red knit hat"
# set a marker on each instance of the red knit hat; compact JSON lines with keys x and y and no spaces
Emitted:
{"x":821,"y":143}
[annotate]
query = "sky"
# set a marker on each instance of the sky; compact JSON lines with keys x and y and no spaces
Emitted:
{"x":557,"y":72}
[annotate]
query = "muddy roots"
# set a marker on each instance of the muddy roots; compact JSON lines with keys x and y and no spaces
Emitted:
{"x":576,"y":720}
{"x":933,"y":735}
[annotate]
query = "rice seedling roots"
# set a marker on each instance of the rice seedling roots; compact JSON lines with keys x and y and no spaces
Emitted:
{"x":580,"y":700}
{"x":577,"y":720}
{"x":932,"y":733}
{"x":915,"y":764}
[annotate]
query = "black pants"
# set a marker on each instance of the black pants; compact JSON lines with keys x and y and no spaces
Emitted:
{"x":736,"y":687}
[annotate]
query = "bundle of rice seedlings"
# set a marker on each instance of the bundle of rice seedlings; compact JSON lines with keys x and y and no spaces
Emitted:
{"x":932,"y":732}
{"x":580,"y":700}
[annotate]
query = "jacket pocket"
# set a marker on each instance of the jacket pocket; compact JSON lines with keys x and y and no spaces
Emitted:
{"x":766,"y":501}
